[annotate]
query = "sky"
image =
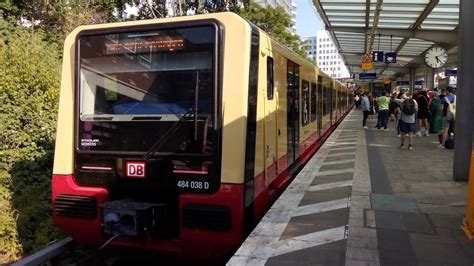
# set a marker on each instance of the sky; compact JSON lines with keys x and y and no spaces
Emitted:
{"x":307,"y":19}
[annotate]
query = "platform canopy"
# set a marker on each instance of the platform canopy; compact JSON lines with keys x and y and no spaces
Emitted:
{"x":407,"y":27}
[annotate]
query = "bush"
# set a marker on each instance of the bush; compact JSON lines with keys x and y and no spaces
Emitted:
{"x":29,"y":90}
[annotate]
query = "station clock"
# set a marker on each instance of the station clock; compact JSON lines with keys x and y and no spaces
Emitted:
{"x":436,"y":57}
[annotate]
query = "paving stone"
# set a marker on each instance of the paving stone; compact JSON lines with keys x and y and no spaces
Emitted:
{"x":357,"y":222}
{"x":393,"y":203}
{"x":327,"y":254}
{"x":353,"y":262}
{"x":396,"y":258}
{"x":362,"y":242}
{"x":331,"y":178}
{"x":441,"y":209}
{"x":417,"y":222}
{"x":445,"y":221}
{"x":428,"y":239}
{"x":361,"y":254}
{"x":440,"y":253}
{"x":364,"y":232}
{"x":337,"y":166}
{"x":340,"y":157}
{"x":388,"y":220}
{"x":312,"y":197}
{"x":306,"y":224}
{"x":394,"y":240}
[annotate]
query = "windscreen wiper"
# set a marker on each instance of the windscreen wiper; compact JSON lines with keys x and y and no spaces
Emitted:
{"x":168,"y":133}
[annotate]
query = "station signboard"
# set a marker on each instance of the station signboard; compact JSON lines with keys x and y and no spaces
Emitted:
{"x":371,"y":75}
{"x":377,"y":56}
{"x":391,"y":57}
{"x":403,"y":83}
{"x":451,"y":72}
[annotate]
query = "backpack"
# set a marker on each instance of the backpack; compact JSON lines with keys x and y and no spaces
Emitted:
{"x":409,"y":107}
{"x":451,"y":114}
{"x":449,"y":143}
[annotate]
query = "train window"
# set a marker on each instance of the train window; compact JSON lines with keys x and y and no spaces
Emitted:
{"x":136,"y":86}
{"x":270,"y":79}
{"x":313,"y":102}
{"x":305,"y":112}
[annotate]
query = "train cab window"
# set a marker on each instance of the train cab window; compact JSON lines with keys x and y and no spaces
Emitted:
{"x":313,"y":102}
{"x":136,"y":86}
{"x":306,"y":110}
{"x":270,"y":78}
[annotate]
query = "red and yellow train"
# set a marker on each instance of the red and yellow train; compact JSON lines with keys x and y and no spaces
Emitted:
{"x":176,"y":135}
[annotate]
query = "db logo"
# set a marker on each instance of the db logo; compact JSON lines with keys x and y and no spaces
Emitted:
{"x":135,"y":169}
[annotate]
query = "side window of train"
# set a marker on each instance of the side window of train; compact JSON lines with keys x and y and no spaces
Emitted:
{"x":313,"y":102}
{"x":305,"y":114}
{"x":270,"y":79}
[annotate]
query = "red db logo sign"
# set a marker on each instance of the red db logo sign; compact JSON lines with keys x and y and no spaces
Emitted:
{"x":135,"y":169}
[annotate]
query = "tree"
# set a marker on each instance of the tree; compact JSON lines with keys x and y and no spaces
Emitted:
{"x":29,"y":87}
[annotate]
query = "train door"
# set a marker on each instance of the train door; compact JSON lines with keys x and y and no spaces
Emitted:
{"x":314,"y":104}
{"x":270,"y":125}
{"x":319,"y":104}
{"x":330,"y":104}
{"x":293,"y":122}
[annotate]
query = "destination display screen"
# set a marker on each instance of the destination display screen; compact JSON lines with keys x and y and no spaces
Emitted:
{"x":143,"y":45}
{"x":136,"y":86}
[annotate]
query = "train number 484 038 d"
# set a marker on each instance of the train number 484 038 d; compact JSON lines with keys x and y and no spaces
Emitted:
{"x":198,"y":185}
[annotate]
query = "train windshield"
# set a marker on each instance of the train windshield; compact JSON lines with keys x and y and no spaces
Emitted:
{"x":136,"y":86}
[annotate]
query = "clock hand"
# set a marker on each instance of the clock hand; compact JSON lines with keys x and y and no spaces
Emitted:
{"x":437,"y":59}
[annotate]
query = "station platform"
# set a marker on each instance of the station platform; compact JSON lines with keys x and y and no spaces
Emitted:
{"x":363,"y":201}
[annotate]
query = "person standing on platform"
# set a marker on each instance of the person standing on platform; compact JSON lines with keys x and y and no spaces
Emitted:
{"x":435,"y":114}
{"x":365,"y":109}
{"x":448,"y":120}
{"x":383,"y":102}
{"x":398,"y":110}
{"x":407,"y":122}
{"x":422,"y":114}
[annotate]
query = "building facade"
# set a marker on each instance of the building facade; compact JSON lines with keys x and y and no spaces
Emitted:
{"x":310,"y":47}
{"x":288,"y":5}
{"x":328,"y":58}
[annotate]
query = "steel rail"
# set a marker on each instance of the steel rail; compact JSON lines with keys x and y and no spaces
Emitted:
{"x":48,"y":253}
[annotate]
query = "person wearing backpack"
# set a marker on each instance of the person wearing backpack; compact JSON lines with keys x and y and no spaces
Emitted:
{"x":423,"y":113}
{"x":449,"y":115}
{"x":407,"y":123}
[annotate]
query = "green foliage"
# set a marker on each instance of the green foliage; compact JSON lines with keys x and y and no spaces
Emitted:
{"x":29,"y":87}
{"x":274,"y":21}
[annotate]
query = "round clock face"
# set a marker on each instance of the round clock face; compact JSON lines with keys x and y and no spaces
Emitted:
{"x":436,"y":57}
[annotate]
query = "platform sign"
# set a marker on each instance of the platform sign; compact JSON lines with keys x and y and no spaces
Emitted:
{"x":371,"y":75}
{"x":451,"y":72}
{"x":419,"y":82}
{"x":377,"y":56}
{"x":403,"y":83}
{"x":391,"y":57}
{"x":353,"y":76}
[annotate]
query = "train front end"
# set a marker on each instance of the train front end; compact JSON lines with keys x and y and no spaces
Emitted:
{"x":138,"y":151}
